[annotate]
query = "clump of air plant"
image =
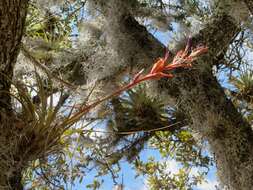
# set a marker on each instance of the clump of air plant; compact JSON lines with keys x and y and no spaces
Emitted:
{"x":135,"y":115}
{"x":39,"y":118}
{"x":33,"y":130}
{"x":244,"y":83}
{"x":137,"y":110}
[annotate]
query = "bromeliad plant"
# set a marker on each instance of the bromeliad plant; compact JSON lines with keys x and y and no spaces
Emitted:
{"x":183,"y":59}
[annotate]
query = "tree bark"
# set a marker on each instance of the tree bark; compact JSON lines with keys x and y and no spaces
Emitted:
{"x":12,"y":23}
{"x":249,"y":4}
{"x":13,"y":182}
{"x":202,"y":98}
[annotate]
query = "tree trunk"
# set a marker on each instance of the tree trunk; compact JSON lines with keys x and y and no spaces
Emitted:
{"x":249,"y":4}
{"x":201,"y":96}
{"x":12,"y":22}
{"x":13,"y":182}
{"x":217,"y":120}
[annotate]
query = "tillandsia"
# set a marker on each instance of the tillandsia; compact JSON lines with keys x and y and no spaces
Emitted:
{"x":160,"y":69}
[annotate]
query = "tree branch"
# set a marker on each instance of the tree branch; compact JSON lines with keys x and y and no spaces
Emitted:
{"x":249,"y":4}
{"x":12,"y":21}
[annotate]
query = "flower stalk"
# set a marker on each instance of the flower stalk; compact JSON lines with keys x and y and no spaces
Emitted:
{"x":160,"y":69}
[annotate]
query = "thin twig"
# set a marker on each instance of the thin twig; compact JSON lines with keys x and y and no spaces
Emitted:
{"x":133,"y":131}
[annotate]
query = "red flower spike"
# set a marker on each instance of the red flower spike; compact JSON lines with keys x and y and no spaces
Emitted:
{"x":181,"y":60}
